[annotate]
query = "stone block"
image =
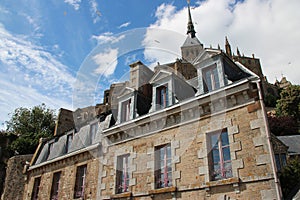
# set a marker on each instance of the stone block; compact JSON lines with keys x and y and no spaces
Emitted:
{"x":262,"y":159}
{"x":103,"y":186}
{"x":233,"y":130}
{"x":201,"y":153}
{"x":259,"y":141}
{"x":236,"y":146}
{"x":177,"y":175}
{"x":175,"y":144}
{"x":257,"y":123}
{"x":203,"y":170}
{"x":176,"y":159}
{"x":104,"y":173}
{"x":150,"y":165}
{"x":268,"y":194}
{"x":132,"y":181}
{"x":237,"y":164}
{"x":150,"y":150}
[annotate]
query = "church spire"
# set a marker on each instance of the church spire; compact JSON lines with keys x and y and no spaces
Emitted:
{"x":191,"y":31}
{"x":227,"y":47}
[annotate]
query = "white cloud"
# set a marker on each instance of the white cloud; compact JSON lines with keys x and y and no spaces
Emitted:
{"x":130,"y":59}
{"x":124,"y":25}
{"x":74,"y":3}
{"x":94,"y":11}
{"x":30,"y":75}
{"x":108,"y":37}
{"x":106,"y":61}
{"x":269,"y":28}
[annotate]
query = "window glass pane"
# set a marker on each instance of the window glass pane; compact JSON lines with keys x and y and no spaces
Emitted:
{"x":216,"y":156}
{"x":277,"y":162}
{"x":122,"y":175}
{"x":217,"y":172}
{"x":55,"y":186}
{"x":216,"y":79}
{"x":228,"y":170}
{"x":220,"y":157}
{"x":208,"y":80}
{"x":283,"y":159}
{"x":214,"y":140}
{"x":163,"y":162}
{"x":80,"y":181}
{"x":226,"y":154}
{"x":36,"y":188}
{"x":224,"y":138}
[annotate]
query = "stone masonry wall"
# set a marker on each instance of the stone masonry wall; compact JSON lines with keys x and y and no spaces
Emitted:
{"x":251,"y":168}
{"x":15,"y":179}
{"x":67,"y":167}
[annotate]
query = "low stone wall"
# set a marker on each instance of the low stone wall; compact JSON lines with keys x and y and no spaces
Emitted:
{"x":15,"y":179}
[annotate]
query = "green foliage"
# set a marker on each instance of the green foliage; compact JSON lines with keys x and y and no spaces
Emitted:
{"x":283,"y":125}
{"x":29,"y":125}
{"x":290,"y":176}
{"x":270,"y":100}
{"x":289,"y":102}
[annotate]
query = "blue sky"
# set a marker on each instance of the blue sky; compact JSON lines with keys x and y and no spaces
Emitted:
{"x":64,"y":53}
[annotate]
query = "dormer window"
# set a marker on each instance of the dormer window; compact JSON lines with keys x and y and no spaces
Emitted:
{"x":211,"y":78}
{"x":162,"y":96}
{"x":69,"y":142}
{"x":125,"y":110}
{"x":93,"y":131}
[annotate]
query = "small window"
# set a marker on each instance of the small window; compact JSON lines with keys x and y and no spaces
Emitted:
{"x":125,"y":115}
{"x":55,"y":186}
{"x":122,"y":175}
{"x":283,"y":159}
{"x":219,"y":156}
{"x":36,"y":188}
{"x":277,"y":159}
{"x":162,"y":96}
{"x":163,"y":166}
{"x":211,"y":78}
{"x":93,"y":131}
{"x":80,"y":181}
{"x":280,"y":161}
{"x":69,"y":142}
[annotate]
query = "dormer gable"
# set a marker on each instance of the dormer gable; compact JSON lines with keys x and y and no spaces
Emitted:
{"x":126,"y":105}
{"x":216,"y":70}
{"x":168,"y":88}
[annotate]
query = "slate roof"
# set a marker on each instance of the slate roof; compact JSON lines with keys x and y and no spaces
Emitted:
{"x":293,"y":142}
{"x":189,"y":42}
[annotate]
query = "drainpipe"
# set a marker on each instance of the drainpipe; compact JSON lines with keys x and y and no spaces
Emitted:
{"x":264,"y":114}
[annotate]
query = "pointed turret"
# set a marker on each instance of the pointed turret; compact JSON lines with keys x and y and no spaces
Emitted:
{"x":191,"y":30}
{"x":238,"y":52}
{"x":227,"y":47}
{"x":191,"y":46}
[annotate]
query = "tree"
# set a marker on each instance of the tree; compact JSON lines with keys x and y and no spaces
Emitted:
{"x":289,"y":102}
{"x":29,"y":125}
{"x":283,"y":125}
{"x":290,"y":176}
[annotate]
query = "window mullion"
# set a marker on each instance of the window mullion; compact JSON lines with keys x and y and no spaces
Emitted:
{"x":221,"y":156}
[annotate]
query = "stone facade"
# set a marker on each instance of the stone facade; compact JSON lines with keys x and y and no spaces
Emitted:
{"x":15,"y":179}
{"x":202,"y":135}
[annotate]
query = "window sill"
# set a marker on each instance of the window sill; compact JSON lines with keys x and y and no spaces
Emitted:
{"x":163,"y":190}
{"x":121,"y":195}
{"x":227,"y":181}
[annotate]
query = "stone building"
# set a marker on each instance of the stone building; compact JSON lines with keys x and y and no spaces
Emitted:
{"x":15,"y":179}
{"x":192,"y":129}
{"x":252,"y":63}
